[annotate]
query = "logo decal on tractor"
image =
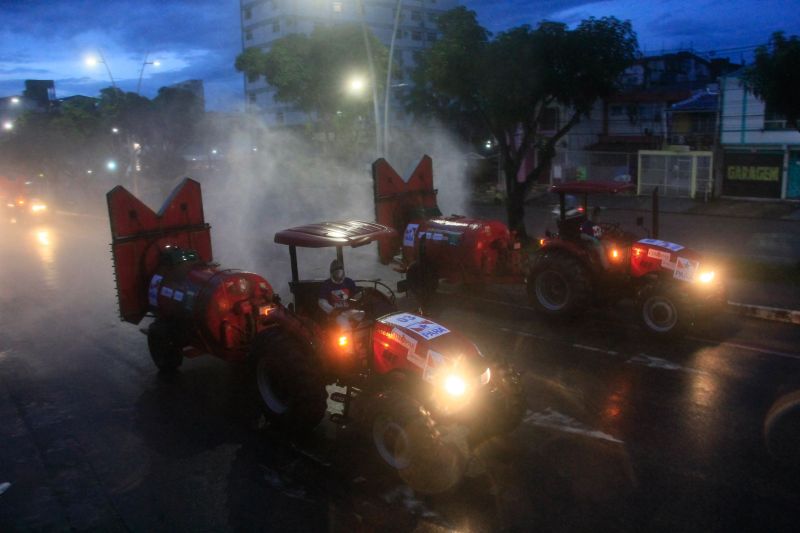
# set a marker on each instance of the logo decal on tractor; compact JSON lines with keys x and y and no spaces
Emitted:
{"x":685,"y":269}
{"x":661,"y":256}
{"x":152,"y":293}
{"x":425,"y":328}
{"x":408,"y":236}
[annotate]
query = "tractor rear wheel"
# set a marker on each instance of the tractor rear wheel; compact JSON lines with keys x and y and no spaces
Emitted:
{"x":165,"y":350}
{"x":558,"y":285}
{"x":288,"y":384}
{"x":662,"y":311}
{"x":407,"y":439}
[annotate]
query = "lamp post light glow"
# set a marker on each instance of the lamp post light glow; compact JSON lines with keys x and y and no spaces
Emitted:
{"x":155,"y":63}
{"x":15,"y":100}
{"x":92,"y":61}
{"x":8,"y":125}
{"x":356,"y":85}
{"x":111,"y":165}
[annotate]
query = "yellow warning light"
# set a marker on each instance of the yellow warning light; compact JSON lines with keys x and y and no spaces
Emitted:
{"x":343,"y":340}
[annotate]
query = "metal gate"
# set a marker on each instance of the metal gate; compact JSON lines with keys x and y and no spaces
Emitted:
{"x":677,"y":174}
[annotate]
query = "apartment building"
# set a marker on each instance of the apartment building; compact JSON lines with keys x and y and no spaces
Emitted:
{"x":265,"y":21}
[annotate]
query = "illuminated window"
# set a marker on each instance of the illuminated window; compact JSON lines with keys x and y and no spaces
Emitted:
{"x":337,"y":7}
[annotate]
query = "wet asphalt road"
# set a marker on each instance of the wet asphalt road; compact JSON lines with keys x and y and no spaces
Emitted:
{"x":622,"y":432}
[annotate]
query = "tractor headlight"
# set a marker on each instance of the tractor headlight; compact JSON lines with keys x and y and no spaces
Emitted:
{"x":455,"y":385}
{"x":706,"y":277}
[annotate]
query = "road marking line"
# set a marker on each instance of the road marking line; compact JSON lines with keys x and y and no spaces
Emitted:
{"x":593,"y":349}
{"x":552,"y":419}
{"x":663,"y":364}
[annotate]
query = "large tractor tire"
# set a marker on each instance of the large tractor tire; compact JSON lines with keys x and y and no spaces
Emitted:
{"x":407,"y":439}
{"x":559,"y":285}
{"x":663,"y":311}
{"x":288,"y":383}
{"x":165,"y":349}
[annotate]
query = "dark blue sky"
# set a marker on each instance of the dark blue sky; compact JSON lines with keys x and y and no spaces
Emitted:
{"x":49,"y":39}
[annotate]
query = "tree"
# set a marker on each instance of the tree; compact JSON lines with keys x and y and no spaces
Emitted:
{"x":311,"y":73}
{"x":775,"y":76}
{"x":504,"y":86}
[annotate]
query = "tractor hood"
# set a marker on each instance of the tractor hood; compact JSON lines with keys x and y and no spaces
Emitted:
{"x":649,"y":255}
{"x":419,"y":344}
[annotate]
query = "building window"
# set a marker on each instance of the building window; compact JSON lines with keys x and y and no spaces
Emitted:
{"x":252,"y":77}
{"x":416,"y":15}
{"x":416,"y":35}
{"x":248,"y":13}
{"x":432,"y":36}
{"x":251,"y":97}
{"x":276,"y":27}
{"x":337,"y":7}
{"x":248,"y":35}
{"x":773,"y":120}
{"x":280,"y":118}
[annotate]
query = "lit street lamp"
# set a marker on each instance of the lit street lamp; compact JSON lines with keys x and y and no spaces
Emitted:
{"x":141,"y":71}
{"x":8,"y":125}
{"x":93,"y":61}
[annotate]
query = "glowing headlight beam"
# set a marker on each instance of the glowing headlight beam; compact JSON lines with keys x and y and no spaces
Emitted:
{"x":706,"y":277}
{"x":455,"y":385}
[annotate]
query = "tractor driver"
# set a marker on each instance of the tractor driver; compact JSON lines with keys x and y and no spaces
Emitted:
{"x":335,"y":296}
{"x":592,"y":232}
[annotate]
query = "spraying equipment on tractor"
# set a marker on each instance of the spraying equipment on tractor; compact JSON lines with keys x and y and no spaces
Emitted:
{"x":424,"y":393}
{"x":569,"y":273}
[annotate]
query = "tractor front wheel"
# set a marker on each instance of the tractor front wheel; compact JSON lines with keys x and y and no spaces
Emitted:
{"x":662,"y":311}
{"x":288,"y":384}
{"x":165,"y":350}
{"x":558,"y":285}
{"x":407,"y":439}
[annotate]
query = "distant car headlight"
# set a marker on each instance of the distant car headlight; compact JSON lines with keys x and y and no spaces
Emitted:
{"x":706,"y":277}
{"x":38,"y":208}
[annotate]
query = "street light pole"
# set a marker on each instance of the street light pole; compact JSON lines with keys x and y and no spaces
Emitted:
{"x":387,"y":89}
{"x":141,"y":72}
{"x":378,"y":144}
{"x":108,"y":69}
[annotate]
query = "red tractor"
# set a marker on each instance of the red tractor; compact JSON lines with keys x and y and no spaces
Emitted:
{"x":588,"y":263}
{"x":424,"y":392}
{"x":568,"y":274}
{"x":433,"y":247}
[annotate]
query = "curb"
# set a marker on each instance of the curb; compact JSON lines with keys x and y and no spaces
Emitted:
{"x":790,"y":316}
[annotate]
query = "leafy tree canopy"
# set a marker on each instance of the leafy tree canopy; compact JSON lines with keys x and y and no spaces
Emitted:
{"x":775,"y":76}
{"x":502,"y":86}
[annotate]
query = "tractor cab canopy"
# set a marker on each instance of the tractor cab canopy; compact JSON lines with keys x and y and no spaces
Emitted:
{"x":584,"y":188}
{"x":352,"y":233}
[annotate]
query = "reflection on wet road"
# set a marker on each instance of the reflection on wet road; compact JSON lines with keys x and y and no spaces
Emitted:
{"x":621,"y":432}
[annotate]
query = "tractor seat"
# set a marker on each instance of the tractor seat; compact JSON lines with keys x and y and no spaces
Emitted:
{"x":306,"y":296}
{"x":570,"y":228}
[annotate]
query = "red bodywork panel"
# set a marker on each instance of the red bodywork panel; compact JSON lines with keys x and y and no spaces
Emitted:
{"x":461,"y":249}
{"x":652,"y":255}
{"x":396,"y":199}
{"x":353,"y":233}
{"x":411,"y":343}
{"x":138,"y":235}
